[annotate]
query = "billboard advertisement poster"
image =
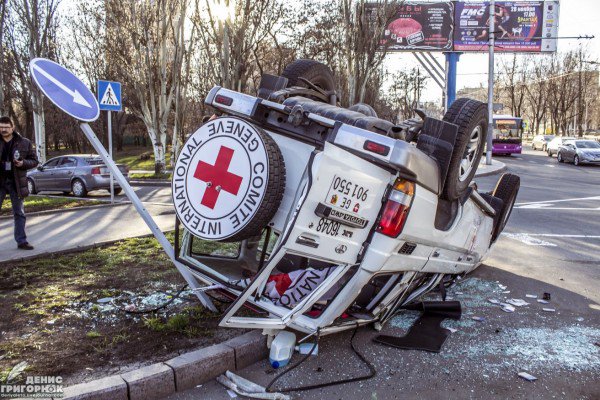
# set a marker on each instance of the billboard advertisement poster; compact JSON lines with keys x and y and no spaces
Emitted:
{"x":421,"y":26}
{"x":521,"y":26}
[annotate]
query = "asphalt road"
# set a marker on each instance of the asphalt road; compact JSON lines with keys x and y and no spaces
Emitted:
{"x":551,"y":244}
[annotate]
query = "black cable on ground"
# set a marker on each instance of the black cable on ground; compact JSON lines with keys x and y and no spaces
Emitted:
{"x":371,"y":374}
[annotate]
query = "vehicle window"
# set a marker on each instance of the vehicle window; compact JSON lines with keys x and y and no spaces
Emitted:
{"x":587,"y":144}
{"x":506,"y":128}
{"x":68,"y":162}
{"x":52,"y":163}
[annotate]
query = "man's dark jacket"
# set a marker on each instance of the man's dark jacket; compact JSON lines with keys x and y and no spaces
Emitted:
{"x":30,"y":160}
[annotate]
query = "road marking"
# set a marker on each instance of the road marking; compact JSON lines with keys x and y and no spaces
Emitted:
{"x":530,"y":240}
{"x":558,"y":201}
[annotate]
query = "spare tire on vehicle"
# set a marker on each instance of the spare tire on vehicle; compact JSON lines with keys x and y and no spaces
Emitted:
{"x":471,"y":118}
{"x":228,"y":181}
{"x":313,"y":71}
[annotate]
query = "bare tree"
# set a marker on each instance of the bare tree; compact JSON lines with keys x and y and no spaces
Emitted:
{"x":150,"y":54}
{"x":363,"y":25}
{"x":32,"y":34}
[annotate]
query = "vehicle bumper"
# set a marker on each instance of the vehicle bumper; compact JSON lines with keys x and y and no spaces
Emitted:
{"x":102,"y":182}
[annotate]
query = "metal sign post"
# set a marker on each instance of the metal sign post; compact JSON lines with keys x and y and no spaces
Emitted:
{"x":490,"y":133}
{"x":109,"y":99}
{"x":137,"y":203}
{"x":72,"y":96}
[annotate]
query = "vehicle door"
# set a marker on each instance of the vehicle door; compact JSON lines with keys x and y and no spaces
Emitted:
{"x":64,"y":172}
{"x":569,"y":151}
{"x":45,"y":176}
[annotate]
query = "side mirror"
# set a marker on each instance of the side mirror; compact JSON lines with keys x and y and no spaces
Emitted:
{"x":40,"y":168}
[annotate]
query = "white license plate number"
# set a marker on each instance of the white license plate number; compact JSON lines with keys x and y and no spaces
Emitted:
{"x":347,"y":195}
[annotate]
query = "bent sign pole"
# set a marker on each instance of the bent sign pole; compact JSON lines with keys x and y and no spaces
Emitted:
{"x":73,"y":97}
{"x":137,"y":203}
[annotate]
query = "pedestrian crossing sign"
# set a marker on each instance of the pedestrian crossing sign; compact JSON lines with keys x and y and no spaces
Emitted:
{"x":109,"y":95}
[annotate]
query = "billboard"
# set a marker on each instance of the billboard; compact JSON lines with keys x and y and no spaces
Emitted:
{"x":521,"y":26}
{"x":421,"y":26}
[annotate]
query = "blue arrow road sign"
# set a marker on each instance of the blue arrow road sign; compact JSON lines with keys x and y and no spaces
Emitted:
{"x":109,"y":95}
{"x":64,"y":89}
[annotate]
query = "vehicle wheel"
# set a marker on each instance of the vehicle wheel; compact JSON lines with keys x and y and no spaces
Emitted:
{"x":576,"y":160}
{"x":117,"y":191}
{"x":78,"y":188}
{"x":317,"y":73}
{"x":506,"y":190}
{"x":31,"y":186}
{"x":559,"y":157}
{"x":549,"y":153}
{"x":533,"y":146}
{"x":471,"y":118}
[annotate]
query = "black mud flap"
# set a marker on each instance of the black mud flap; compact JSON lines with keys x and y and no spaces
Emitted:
{"x":426,"y":333}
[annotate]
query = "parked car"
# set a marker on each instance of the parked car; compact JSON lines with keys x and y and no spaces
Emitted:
{"x":579,"y":152}
{"x":77,"y":174}
{"x":359,"y":216}
{"x":555,"y":143}
{"x":540,"y":142}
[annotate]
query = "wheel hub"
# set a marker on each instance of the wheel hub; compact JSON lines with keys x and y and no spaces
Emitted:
{"x":468,"y":161}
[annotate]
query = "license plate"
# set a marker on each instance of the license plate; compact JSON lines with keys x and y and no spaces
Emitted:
{"x":342,"y":217}
{"x":347,"y":195}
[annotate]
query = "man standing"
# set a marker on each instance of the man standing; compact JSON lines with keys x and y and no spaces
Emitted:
{"x":16,"y":157}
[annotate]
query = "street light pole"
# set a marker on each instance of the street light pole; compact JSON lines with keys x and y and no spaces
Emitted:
{"x":490,"y":130}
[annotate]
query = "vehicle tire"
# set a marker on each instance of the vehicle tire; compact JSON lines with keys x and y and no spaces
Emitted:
{"x":576,"y":160}
{"x":31,"y":186}
{"x":273,"y":194}
{"x":117,"y":191}
{"x":364,"y":108}
{"x":549,"y":153}
{"x":471,"y":118}
{"x":78,"y":188}
{"x":317,"y":73}
{"x":533,"y":146}
{"x":559,"y":157}
{"x":506,"y":190}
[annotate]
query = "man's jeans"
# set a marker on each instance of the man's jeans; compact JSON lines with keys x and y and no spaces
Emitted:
{"x":18,"y":210}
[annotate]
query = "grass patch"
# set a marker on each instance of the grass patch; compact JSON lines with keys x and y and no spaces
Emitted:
{"x":133,"y":156}
{"x":43,"y":203}
{"x":93,"y":335}
{"x":139,"y":158}
{"x":149,"y":176}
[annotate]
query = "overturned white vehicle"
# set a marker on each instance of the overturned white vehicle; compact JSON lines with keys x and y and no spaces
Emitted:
{"x":321,"y":218}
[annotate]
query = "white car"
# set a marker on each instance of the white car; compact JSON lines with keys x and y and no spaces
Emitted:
{"x":556,"y":143}
{"x":320,"y":218}
{"x":540,"y":142}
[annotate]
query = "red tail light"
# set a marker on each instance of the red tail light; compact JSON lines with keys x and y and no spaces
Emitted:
{"x":396,"y":208}
{"x":96,"y":171}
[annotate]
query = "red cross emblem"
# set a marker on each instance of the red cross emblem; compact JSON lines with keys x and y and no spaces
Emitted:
{"x":218,"y":177}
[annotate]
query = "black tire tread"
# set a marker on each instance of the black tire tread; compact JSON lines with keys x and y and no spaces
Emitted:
{"x":508,"y":186}
{"x":311,"y":70}
{"x":273,"y":192}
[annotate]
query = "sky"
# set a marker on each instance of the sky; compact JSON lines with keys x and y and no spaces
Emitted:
{"x":577,"y":17}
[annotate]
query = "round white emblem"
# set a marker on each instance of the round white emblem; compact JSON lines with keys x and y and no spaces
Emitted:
{"x":220,"y":178}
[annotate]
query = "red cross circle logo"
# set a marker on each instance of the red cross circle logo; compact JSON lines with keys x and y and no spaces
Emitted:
{"x":218,"y":177}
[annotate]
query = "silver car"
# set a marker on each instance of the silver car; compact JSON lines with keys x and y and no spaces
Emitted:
{"x":78,"y":174}
{"x":579,"y":152}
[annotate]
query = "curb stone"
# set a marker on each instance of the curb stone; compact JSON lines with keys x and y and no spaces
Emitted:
{"x":148,"y":383}
{"x":111,"y":387}
{"x":177,"y":374}
{"x":33,"y":214}
{"x":151,"y":182}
